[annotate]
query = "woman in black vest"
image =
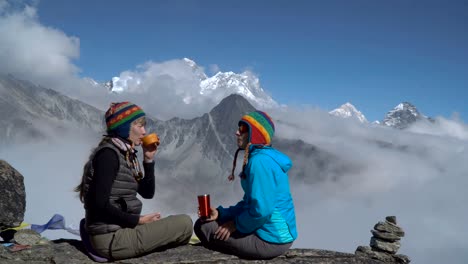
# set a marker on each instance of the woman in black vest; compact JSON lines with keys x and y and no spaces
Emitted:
{"x":114,"y":228}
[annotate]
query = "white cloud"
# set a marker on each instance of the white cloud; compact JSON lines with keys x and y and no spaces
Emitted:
{"x":33,"y":51}
{"x":420,"y":178}
{"x":442,"y":127}
{"x":165,"y":90}
{"x":43,"y":55}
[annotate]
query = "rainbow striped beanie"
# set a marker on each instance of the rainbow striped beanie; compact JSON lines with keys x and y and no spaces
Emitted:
{"x":119,"y":117}
{"x":261,"y":127}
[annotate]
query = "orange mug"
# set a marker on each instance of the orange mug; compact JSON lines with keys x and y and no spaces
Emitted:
{"x":150,"y":139}
{"x":204,"y":205}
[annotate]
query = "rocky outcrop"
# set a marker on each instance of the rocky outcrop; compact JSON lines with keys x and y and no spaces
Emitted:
{"x":385,"y":242}
{"x":12,"y":196}
{"x":72,"y":251}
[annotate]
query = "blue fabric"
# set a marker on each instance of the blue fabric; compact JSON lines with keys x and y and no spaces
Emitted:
{"x":267,"y":207}
{"x":56,"y":222}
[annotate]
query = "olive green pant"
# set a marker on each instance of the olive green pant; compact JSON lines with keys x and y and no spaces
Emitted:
{"x":125,"y":243}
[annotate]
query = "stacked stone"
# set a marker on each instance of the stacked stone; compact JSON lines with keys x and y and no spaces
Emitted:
{"x":385,"y":242}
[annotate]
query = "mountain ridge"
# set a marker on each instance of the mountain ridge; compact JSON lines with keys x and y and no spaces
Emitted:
{"x":403,"y":115}
{"x":31,"y":111}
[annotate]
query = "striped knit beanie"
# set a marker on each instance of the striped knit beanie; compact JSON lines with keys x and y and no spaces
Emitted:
{"x":261,"y":131}
{"x":261,"y":127}
{"x":119,"y":117}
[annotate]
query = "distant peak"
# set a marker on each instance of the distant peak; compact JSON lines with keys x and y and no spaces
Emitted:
{"x":347,"y":110}
{"x":190,"y":62}
{"x":402,"y":115}
{"x":246,"y":84}
{"x":404,"y":105}
{"x":197,"y":70}
{"x":348,"y":105}
{"x":233,"y":104}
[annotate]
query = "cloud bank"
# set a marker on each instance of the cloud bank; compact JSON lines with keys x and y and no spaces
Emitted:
{"x":417,"y":175}
{"x":31,"y":50}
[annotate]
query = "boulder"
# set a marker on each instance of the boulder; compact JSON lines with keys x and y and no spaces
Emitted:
{"x":12,"y":196}
{"x":390,"y":247}
{"x":385,"y":236}
{"x":391,"y":219}
{"x":389,"y":228}
{"x":27,"y":237}
{"x":366,"y":251}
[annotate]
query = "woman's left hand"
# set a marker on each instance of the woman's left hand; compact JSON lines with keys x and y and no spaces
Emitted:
{"x":225,"y":230}
{"x":149,"y":152}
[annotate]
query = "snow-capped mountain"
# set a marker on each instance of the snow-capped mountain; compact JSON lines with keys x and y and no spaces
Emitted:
{"x":197,"y":70}
{"x":348,"y":110}
{"x":216,"y":87}
{"x":109,"y":85}
{"x":246,"y":84}
{"x":403,"y":115}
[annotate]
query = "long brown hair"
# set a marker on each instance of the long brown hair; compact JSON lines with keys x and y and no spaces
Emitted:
{"x":81,"y":187}
{"x":87,"y":167}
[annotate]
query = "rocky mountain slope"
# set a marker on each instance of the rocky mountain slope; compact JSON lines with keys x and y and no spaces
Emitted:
{"x":31,"y":112}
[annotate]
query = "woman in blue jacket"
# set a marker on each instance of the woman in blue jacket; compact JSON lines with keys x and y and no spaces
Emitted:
{"x":263,"y":224}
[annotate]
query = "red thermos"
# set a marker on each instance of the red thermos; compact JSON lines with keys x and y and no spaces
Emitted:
{"x":204,"y":205}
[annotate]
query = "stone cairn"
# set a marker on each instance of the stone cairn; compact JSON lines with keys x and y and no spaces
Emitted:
{"x":385,"y":242}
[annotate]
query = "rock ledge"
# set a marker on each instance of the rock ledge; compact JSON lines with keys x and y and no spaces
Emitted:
{"x":71,"y":251}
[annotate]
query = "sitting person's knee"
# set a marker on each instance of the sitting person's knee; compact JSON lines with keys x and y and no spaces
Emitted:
{"x":187,"y":220}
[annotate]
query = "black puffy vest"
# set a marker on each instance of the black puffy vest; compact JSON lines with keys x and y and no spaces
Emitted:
{"x":123,"y":194}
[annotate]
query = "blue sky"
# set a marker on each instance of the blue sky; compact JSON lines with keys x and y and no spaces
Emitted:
{"x":374,"y":54}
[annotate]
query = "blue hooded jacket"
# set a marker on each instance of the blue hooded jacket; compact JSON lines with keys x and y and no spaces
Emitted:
{"x":267,"y":207}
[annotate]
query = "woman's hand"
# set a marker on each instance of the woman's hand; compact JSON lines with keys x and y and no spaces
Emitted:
{"x":149,"y":152}
{"x":148,"y":218}
{"x":213,"y":215}
{"x":225,"y":231}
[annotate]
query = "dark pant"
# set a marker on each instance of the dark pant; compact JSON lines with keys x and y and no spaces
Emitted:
{"x":244,"y":246}
{"x":125,"y":243}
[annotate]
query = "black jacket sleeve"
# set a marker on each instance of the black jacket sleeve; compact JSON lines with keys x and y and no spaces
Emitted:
{"x":146,"y":186}
{"x":106,"y":166}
